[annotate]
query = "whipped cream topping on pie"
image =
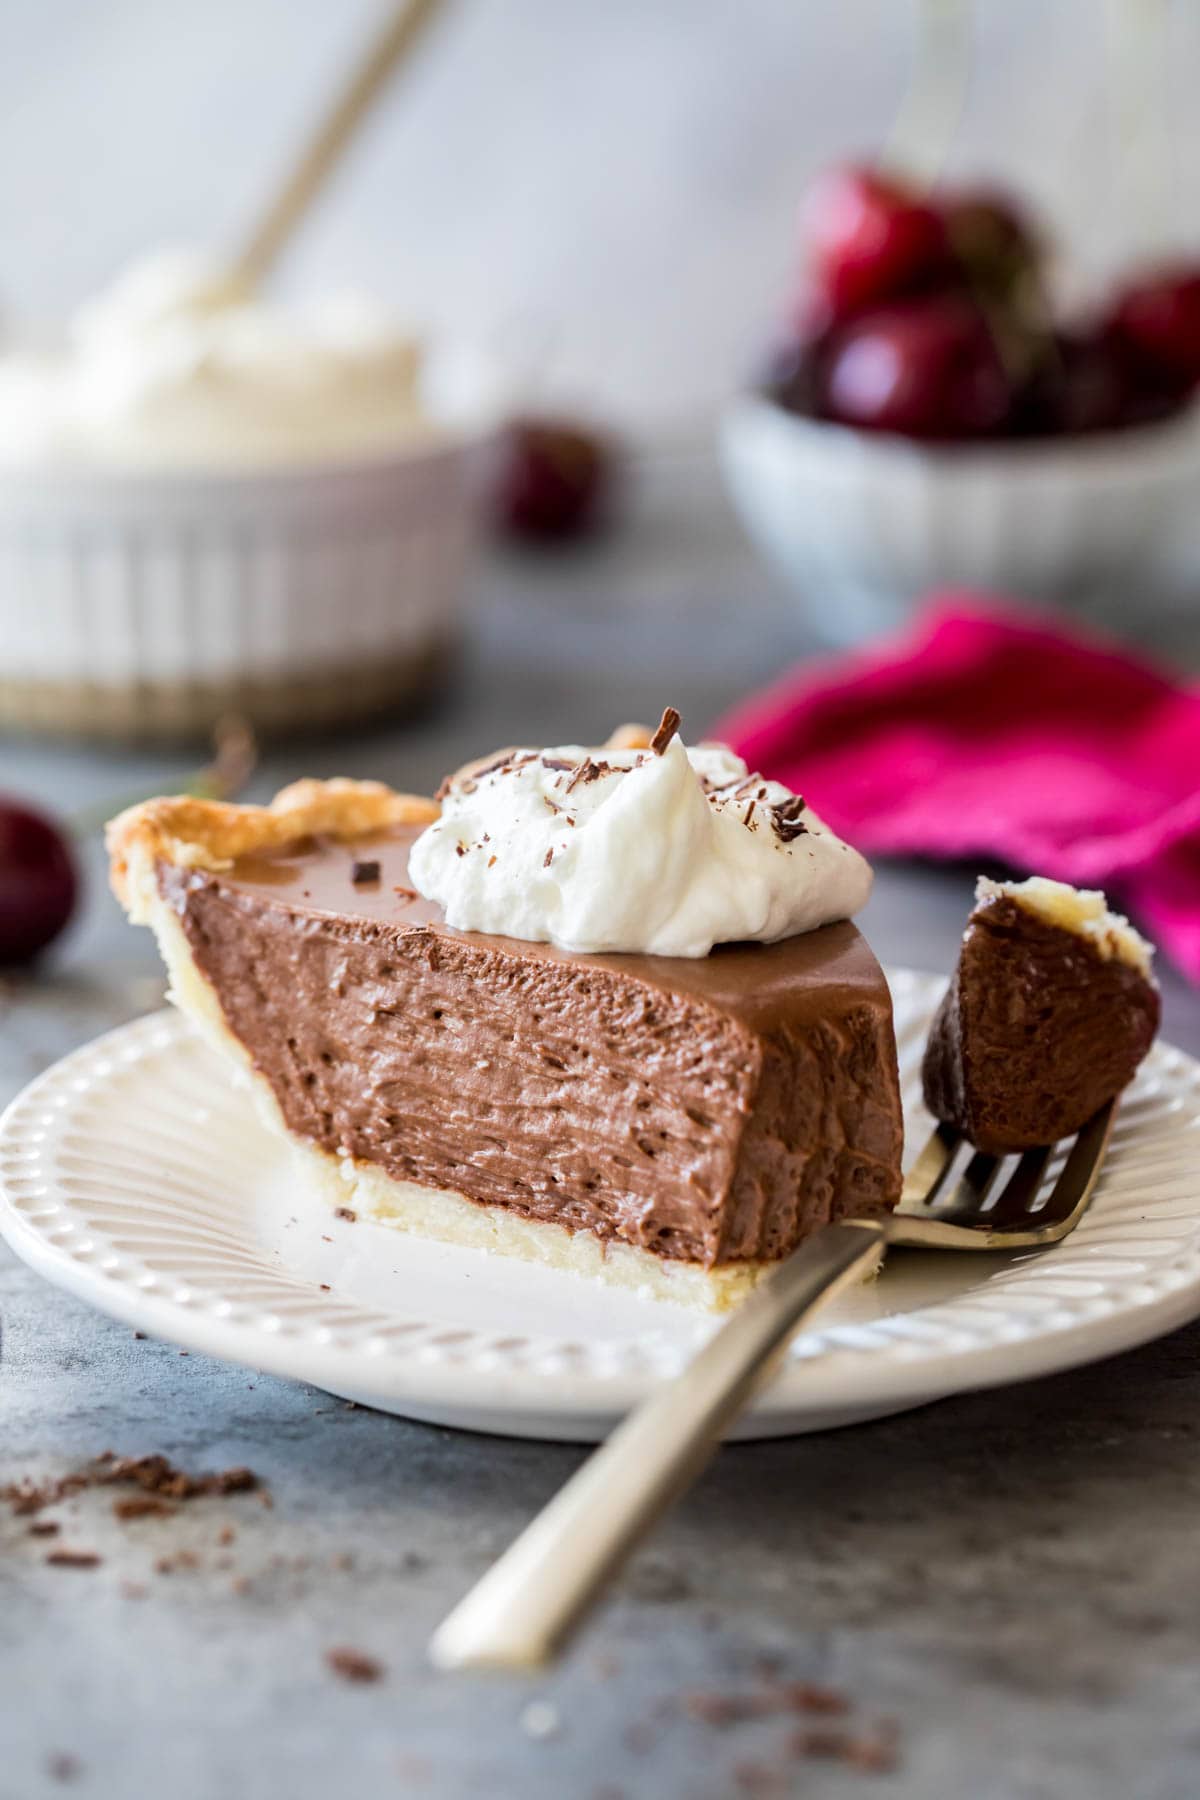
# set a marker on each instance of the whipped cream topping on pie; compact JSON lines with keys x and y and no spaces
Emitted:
{"x":663,"y":851}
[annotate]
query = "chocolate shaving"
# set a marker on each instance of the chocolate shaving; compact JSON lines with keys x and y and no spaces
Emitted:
{"x":588,"y":771}
{"x":548,"y":858}
{"x":786,"y":818}
{"x":552,"y":804}
{"x":364,"y":871}
{"x":668,"y":725}
{"x":460,"y":849}
{"x":353,"y":1665}
{"x":73,"y":1559}
{"x":345,"y":1212}
{"x":471,"y":779}
{"x":45,"y":1528}
{"x":405,"y":893}
{"x":556,"y":762}
{"x":490,"y":861}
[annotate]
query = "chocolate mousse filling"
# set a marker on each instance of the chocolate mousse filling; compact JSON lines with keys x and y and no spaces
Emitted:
{"x":1037,"y":1030}
{"x":712,"y":1110}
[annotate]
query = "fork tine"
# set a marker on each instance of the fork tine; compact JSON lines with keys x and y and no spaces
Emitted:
{"x":1022,"y":1187}
{"x":1073,"y":1189}
{"x":924,"y":1180}
{"x":961,"y":1222}
{"x":978,"y":1179}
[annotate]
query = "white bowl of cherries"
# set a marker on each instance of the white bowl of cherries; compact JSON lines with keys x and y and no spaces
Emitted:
{"x":930,"y":421}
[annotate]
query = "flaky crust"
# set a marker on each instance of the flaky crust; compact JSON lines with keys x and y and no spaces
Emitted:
{"x":210,"y":834}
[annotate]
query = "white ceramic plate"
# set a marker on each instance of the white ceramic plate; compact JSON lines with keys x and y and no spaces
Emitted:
{"x":133,"y":1175}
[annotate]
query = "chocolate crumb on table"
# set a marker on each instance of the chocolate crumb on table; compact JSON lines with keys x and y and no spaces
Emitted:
{"x":364,"y":869}
{"x":45,"y":1528}
{"x":73,"y":1559}
{"x":178,"y":1559}
{"x":143,"y":1506}
{"x":353,"y":1665}
{"x":61,"y":1765}
{"x":155,"y":1475}
{"x":872,"y":1752}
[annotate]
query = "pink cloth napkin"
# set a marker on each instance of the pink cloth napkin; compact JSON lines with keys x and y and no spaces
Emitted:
{"x":981,"y":732}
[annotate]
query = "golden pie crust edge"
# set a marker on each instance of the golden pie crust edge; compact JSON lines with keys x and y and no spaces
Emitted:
{"x":212,"y":834}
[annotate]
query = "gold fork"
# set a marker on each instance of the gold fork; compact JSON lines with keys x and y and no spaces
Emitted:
{"x":521,"y":1612}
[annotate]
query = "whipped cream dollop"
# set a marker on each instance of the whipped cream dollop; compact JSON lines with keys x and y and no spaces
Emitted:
{"x":176,"y":365}
{"x":665,"y":851}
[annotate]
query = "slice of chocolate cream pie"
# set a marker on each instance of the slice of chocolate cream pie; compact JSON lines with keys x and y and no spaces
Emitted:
{"x":605,"y":1010}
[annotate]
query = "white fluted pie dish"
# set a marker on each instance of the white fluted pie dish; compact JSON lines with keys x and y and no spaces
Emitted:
{"x":132,"y":1176}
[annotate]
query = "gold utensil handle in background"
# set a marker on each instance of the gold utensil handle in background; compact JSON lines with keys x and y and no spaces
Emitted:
{"x":383,"y":57}
{"x":519,"y":1614}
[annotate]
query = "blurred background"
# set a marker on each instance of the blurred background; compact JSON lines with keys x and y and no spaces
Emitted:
{"x":627,"y":177}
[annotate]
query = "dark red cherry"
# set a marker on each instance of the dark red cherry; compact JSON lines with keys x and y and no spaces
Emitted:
{"x":38,"y":884}
{"x":871,"y":239}
{"x":1158,"y":318}
{"x":552,"y":477}
{"x":926,"y":368}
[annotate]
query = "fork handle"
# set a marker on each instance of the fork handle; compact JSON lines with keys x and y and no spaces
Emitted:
{"x":522,"y":1610}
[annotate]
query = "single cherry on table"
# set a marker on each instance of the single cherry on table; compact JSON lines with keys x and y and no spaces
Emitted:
{"x":38,"y":882}
{"x":552,"y":477}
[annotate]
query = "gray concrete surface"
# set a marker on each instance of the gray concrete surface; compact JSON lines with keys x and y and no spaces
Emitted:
{"x":1011,"y":1577}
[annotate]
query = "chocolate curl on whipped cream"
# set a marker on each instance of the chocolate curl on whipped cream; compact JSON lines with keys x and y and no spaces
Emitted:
{"x":668,"y":725}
